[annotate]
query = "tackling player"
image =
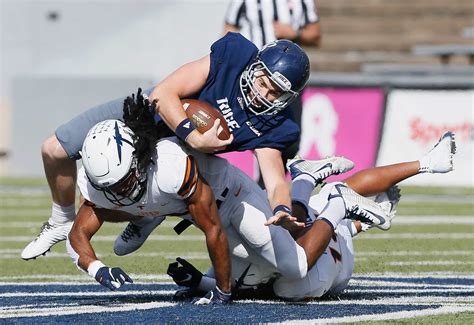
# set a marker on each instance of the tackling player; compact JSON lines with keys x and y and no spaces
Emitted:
{"x":251,"y":88}
{"x":252,"y":276}
{"x":166,"y":180}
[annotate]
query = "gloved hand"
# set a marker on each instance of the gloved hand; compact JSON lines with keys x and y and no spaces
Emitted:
{"x":185,"y":275}
{"x":214,"y":297}
{"x":112,"y":278}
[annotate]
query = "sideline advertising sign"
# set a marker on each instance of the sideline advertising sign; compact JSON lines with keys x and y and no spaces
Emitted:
{"x":344,"y":122}
{"x":414,"y":121}
{"x":334,"y":121}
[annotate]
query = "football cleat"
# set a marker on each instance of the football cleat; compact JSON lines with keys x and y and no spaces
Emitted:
{"x":392,"y":196}
{"x":440,"y":158}
{"x":50,"y":235}
{"x":135,"y":234}
{"x":318,"y":169}
{"x":365,"y":210}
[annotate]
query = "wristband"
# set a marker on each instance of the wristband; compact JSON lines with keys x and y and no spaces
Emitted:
{"x":184,"y":129}
{"x":283,"y":208}
{"x":94,"y":267}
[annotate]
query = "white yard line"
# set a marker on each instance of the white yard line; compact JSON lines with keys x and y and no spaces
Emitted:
{"x":112,"y":238}
{"x":417,"y":236}
{"x":421,"y":263}
{"x":87,"y":293}
{"x":386,"y":316}
{"x":82,"y":277}
{"x":89,"y":309}
{"x":167,"y":255}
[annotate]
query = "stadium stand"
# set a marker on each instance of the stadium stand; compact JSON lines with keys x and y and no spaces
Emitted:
{"x":376,"y":31}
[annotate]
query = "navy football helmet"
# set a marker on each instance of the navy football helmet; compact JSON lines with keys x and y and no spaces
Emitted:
{"x":286,"y":65}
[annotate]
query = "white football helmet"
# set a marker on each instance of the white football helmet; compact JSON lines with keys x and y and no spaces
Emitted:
{"x":109,"y":162}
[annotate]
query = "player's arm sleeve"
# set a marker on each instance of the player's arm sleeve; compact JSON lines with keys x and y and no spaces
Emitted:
{"x":235,"y":13}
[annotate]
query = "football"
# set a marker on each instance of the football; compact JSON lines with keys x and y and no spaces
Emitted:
{"x":203,"y":115}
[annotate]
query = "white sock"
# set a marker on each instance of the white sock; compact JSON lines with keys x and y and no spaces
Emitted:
{"x":301,"y":189}
{"x":335,"y":209}
{"x":62,"y":215}
{"x":424,"y":164}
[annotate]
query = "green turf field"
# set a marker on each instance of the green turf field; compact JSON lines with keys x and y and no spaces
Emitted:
{"x":433,"y":233}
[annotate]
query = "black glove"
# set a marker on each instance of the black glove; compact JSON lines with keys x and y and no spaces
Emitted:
{"x":185,"y":275}
{"x":214,"y":297}
{"x":112,"y":278}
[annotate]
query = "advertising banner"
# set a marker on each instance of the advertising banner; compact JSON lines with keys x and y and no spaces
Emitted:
{"x":414,"y":121}
{"x":344,"y":122}
{"x":334,"y":122}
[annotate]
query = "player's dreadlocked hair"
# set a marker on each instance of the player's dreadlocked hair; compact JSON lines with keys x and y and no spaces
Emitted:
{"x":139,"y":116}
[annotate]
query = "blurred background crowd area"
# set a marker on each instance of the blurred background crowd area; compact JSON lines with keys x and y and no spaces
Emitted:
{"x":60,"y":57}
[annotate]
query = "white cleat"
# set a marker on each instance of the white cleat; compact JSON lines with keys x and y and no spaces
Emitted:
{"x":440,"y":158}
{"x":135,"y":235}
{"x":389,"y":200}
{"x":50,"y":235}
{"x":365,"y":210}
{"x":318,"y":169}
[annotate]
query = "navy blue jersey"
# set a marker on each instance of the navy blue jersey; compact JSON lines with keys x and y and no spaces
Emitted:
{"x":229,"y":57}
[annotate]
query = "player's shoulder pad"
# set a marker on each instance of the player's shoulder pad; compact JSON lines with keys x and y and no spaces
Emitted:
{"x":233,"y":44}
{"x":177,"y":171}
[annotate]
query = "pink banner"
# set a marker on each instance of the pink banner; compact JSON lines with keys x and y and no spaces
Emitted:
{"x":343,"y":122}
{"x":244,"y":160}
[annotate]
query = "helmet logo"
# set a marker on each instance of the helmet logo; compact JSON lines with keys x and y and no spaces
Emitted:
{"x":281,"y":80}
{"x":118,"y":140}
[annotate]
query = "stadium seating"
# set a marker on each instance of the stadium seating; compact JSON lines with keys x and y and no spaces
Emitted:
{"x":375,"y":31}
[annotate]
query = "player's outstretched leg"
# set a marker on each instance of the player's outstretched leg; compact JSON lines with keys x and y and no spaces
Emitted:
{"x":61,"y":175}
{"x":379,"y":179}
{"x":135,"y":235}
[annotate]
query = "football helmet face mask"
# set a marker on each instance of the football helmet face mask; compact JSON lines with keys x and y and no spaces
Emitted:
{"x":110,"y":165}
{"x":287,"y":67}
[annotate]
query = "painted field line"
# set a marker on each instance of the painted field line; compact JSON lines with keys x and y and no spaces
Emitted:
{"x":35,"y":224}
{"x":401,"y":291}
{"x":431,"y":220}
{"x":167,"y":255}
{"x":81,"y":277}
{"x":378,"y":283}
{"x":421,"y":263}
{"x":417,"y":275}
{"x":88,"y":293}
{"x":112,"y":238}
{"x":419,"y":300}
{"x":386,"y":316}
{"x":416,"y":253}
{"x":89,"y":309}
{"x":418,"y":236}
{"x":89,"y":281}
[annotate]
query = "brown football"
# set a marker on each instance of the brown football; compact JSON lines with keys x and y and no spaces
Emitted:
{"x":203,"y":115}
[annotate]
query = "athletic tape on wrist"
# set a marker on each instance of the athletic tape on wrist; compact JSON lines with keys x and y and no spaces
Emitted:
{"x":283,"y":208}
{"x":184,"y":129}
{"x":94,"y":267}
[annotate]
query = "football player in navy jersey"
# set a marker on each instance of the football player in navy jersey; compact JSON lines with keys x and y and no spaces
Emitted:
{"x":251,"y":88}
